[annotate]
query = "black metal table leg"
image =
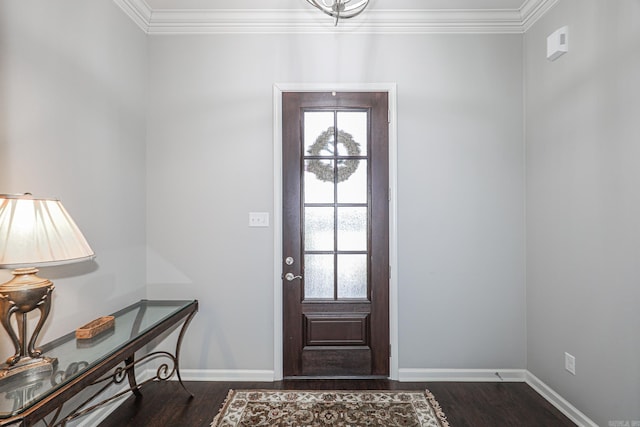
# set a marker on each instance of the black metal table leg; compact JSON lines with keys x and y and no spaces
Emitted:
{"x":177,"y":354}
{"x":131,"y":375}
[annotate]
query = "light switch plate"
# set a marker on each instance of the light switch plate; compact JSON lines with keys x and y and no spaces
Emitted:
{"x":258,"y":219}
{"x":570,"y":363}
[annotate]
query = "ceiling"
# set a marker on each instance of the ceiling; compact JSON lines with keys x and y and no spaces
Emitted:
{"x":301,"y":4}
{"x":298,"y":16}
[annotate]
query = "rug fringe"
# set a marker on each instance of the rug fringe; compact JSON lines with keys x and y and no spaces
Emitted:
{"x":437,"y":409}
{"x":227,"y":400}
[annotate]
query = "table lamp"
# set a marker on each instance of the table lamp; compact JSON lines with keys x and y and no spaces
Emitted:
{"x":34,"y":232}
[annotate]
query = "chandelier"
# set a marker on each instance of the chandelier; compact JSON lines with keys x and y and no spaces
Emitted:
{"x":340,"y":8}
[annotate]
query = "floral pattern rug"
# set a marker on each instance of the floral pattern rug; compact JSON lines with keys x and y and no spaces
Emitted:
{"x":330,"y":408}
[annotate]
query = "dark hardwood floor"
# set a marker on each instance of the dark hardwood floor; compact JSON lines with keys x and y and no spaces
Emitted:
{"x":465,"y":404}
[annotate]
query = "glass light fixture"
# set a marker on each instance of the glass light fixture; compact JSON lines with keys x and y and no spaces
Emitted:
{"x":33,"y":233}
{"x":340,"y":8}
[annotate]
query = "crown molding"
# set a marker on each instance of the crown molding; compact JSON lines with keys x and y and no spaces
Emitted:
{"x":534,"y":11}
{"x":138,"y":10}
{"x":310,"y":21}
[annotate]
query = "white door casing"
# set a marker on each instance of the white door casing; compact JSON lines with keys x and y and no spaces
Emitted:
{"x":278,"y":89}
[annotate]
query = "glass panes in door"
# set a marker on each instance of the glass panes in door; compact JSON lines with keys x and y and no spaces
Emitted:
{"x":335,"y":188}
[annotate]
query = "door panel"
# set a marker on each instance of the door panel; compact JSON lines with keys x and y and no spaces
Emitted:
{"x":335,"y":234}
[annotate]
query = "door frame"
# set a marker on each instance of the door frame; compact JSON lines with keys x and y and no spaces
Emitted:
{"x":278,"y":89}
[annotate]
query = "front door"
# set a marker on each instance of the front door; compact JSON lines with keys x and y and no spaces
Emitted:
{"x":335,"y":234}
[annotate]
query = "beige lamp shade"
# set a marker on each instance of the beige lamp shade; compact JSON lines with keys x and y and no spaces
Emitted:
{"x":38,"y":233}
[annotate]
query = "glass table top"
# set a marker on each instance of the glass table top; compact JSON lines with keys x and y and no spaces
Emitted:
{"x":74,"y":356}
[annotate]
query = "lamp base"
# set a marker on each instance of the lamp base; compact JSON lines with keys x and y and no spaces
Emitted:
{"x":22,"y":294}
{"x":28,"y":368}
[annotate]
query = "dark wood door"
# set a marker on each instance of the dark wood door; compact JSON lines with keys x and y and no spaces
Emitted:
{"x":335,"y":234}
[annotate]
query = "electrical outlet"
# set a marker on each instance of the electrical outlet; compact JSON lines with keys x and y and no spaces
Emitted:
{"x":258,"y":219}
{"x":570,"y":363}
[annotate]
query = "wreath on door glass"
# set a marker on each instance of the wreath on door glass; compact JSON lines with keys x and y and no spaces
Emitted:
{"x":324,"y":170}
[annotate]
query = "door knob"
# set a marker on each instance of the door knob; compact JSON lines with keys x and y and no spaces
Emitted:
{"x":290,"y":277}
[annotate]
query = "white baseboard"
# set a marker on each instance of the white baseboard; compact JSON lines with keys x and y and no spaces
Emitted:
{"x":558,"y":401}
{"x":462,"y":375}
{"x":506,"y":375}
{"x":100,"y":414}
{"x":404,"y":375}
{"x":95,"y":417}
{"x":244,"y":375}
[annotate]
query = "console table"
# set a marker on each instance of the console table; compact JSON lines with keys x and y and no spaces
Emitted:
{"x":101,"y":361}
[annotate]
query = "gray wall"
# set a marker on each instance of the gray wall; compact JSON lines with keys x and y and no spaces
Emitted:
{"x":583,"y":207}
{"x":74,"y":81}
{"x":460,"y":187}
{"x":73,"y":78}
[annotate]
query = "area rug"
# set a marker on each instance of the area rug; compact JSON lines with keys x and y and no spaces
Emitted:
{"x":330,"y":408}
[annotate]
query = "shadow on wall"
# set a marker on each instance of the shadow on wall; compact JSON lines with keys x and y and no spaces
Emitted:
{"x":4,"y":176}
{"x":162,"y":272}
{"x":53,"y":274}
{"x":4,"y":132}
{"x":70,"y":270}
{"x":170,"y":282}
